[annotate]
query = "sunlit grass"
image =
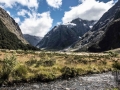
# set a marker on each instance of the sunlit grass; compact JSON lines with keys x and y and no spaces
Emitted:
{"x":47,"y":66}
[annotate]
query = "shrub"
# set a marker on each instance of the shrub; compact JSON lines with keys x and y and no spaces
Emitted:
{"x":116,"y":65}
{"x":49,"y":63}
{"x":45,"y":63}
{"x":7,"y":67}
{"x":31,"y":62}
{"x":45,"y":77}
{"x":20,"y":72}
{"x":68,"y":72}
{"x":113,"y":54}
{"x":104,"y":62}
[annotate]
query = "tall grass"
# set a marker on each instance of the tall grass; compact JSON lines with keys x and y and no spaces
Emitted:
{"x":8,"y":65}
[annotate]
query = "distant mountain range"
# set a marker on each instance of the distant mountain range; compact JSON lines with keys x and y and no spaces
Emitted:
{"x":62,"y":36}
{"x":33,"y":40}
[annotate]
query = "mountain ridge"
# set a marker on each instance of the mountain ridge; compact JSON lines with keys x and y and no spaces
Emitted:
{"x":11,"y":36}
{"x":64,"y":35}
{"x":11,"y":25}
{"x":33,"y":40}
{"x":91,"y":40}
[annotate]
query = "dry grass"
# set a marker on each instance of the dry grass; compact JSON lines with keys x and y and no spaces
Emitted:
{"x":47,"y":66}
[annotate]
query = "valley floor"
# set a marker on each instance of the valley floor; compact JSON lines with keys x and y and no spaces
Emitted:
{"x":29,"y":66}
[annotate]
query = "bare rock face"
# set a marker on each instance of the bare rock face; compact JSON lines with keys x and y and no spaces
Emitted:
{"x":100,"y":37}
{"x":12,"y":26}
{"x":109,"y":40}
{"x":62,"y":36}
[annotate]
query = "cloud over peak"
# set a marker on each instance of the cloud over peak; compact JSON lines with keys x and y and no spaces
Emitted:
{"x":37,"y":24}
{"x":88,"y":10}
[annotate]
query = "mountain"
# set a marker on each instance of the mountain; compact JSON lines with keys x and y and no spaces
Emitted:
{"x":62,"y":36}
{"x":110,"y":39}
{"x":11,"y":25}
{"x":33,"y":40}
{"x":104,"y":35}
{"x":10,"y":34}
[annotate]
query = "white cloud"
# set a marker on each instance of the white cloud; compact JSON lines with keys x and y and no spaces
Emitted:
{"x":58,"y":23}
{"x":54,"y":3}
{"x":88,"y":9}
{"x":23,"y":12}
{"x":17,"y":19}
{"x":11,"y":3}
{"x":8,"y":12}
{"x":37,"y":24}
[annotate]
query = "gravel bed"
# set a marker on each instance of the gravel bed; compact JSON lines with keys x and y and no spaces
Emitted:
{"x":104,"y":81}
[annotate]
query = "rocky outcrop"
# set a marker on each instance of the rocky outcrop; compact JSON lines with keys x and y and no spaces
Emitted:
{"x":12,"y":26}
{"x":62,"y":36}
{"x":110,"y":39}
{"x":97,"y":39}
{"x":33,"y":40}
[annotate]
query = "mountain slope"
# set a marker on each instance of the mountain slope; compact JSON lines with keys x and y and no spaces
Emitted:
{"x":63,"y":36}
{"x":110,"y":39}
{"x":33,"y":40}
{"x":95,"y":39}
{"x":12,"y":26}
{"x":10,"y":34}
{"x":8,"y":40}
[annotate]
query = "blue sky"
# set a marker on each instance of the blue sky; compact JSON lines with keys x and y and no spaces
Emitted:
{"x":37,"y":17}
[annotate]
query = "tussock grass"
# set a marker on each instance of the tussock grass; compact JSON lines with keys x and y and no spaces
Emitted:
{"x":46,"y":66}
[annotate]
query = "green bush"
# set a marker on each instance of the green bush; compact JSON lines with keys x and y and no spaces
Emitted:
{"x":20,"y":72}
{"x":116,"y":65}
{"x":45,"y":63}
{"x":7,"y":67}
{"x":49,"y":63}
{"x":113,"y":54}
{"x":45,"y":77}
{"x":31,"y":62}
{"x":68,"y":72}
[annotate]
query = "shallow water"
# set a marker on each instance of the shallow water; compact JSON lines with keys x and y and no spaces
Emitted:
{"x":104,"y":81}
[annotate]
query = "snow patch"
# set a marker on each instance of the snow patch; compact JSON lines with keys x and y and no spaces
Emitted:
{"x":84,"y":24}
{"x":56,"y":27}
{"x":90,"y":27}
{"x":80,"y":19}
{"x":70,"y":25}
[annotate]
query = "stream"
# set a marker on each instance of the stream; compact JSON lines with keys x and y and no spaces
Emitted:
{"x":104,"y":81}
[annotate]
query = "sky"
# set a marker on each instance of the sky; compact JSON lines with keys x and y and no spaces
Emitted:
{"x":37,"y":17}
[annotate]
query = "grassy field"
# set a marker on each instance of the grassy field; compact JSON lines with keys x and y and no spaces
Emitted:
{"x":30,"y":66}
